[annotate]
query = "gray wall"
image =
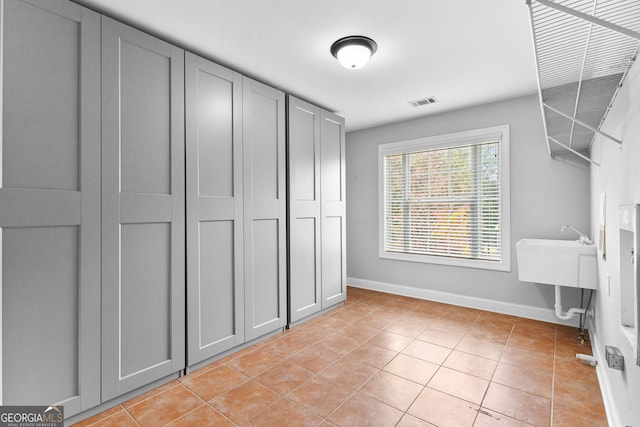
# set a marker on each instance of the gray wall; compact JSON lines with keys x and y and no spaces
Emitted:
{"x":545,"y":194}
{"x":619,"y":177}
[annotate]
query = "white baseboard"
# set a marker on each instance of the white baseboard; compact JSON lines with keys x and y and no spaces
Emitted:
{"x":526,"y":311}
{"x":605,"y":388}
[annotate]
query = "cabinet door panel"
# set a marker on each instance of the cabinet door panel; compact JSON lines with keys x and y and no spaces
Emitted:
{"x":217,"y":290}
{"x":145,"y":287}
{"x":333,"y":288}
{"x":304,"y":283}
{"x":304,"y":209}
{"x":214,"y":130}
{"x":261,"y":133}
{"x":334,"y":266}
{"x":264,"y":209}
{"x":40,"y":276}
{"x":215,"y":298}
{"x":143,"y":253}
{"x":304,"y":150}
{"x":332,"y":159}
{"x":265,"y":284}
{"x":145,"y":132}
{"x":50,"y":204}
{"x":40,"y":59}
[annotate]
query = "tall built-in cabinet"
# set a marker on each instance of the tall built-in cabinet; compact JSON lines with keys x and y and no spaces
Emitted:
{"x":143,"y":209}
{"x":317,"y":255}
{"x":236,"y":254}
{"x":265,"y":209}
{"x":50,"y":204}
{"x":92,"y":206}
{"x":215,"y":298}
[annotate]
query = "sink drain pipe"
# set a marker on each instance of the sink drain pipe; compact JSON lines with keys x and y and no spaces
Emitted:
{"x":569,"y":314}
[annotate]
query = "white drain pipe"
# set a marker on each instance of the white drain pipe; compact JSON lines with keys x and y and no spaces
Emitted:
{"x":569,"y":314}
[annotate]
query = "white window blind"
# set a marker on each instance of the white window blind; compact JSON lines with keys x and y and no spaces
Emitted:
{"x":445,"y":200}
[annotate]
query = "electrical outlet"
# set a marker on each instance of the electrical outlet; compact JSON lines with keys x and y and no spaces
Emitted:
{"x":615,"y":359}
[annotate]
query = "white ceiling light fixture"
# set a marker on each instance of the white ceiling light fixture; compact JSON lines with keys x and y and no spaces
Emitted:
{"x":353,"y":51}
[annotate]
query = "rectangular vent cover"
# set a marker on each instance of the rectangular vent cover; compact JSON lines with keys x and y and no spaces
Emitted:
{"x":423,"y":101}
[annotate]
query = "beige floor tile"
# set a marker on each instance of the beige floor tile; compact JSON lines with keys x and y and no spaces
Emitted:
{"x":471,"y":364}
{"x":392,"y":390}
{"x":426,"y":351}
{"x":518,"y":404}
{"x":360,"y":410}
{"x":459,"y":384}
{"x":411,"y":368}
{"x":343,"y":368}
{"x":443,"y":410}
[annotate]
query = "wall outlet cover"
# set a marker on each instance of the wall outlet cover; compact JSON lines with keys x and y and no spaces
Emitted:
{"x":615,"y":359}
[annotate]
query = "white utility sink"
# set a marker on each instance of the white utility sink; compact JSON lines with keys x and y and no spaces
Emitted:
{"x":557,"y":262}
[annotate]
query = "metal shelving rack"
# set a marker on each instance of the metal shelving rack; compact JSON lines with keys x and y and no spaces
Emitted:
{"x":583,"y":49}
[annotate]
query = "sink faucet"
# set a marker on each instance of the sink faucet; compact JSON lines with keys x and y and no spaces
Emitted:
{"x":584,"y":239}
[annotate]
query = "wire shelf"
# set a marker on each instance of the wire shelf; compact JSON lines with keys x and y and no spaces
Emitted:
{"x":584,"y":49}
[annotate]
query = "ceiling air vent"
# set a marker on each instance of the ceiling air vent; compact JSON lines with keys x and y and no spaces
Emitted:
{"x":423,"y":101}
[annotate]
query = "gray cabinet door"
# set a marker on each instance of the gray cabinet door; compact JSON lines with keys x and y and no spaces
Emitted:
{"x":264,"y":209}
{"x":50,"y":205}
{"x":215,"y":298}
{"x":143,"y":208}
{"x":332,"y":163}
{"x":305,"y":295}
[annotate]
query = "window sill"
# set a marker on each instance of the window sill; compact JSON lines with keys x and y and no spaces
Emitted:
{"x":504,"y":265}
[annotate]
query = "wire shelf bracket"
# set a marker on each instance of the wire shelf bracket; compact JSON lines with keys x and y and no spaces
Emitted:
{"x":583,"y":52}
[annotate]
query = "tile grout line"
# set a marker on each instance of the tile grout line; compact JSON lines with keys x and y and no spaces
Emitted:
{"x":326,"y":419}
{"x":406,"y":411}
{"x":425,"y":386}
{"x":135,"y":420}
{"x":340,"y":406}
{"x":284,"y":396}
{"x":227,"y":418}
{"x":367,"y":380}
{"x":485,"y":392}
{"x":553,"y":376}
{"x":186,"y":413}
{"x":175,"y":381}
{"x":513,"y":326}
{"x":122,"y":409}
{"x":350,"y":329}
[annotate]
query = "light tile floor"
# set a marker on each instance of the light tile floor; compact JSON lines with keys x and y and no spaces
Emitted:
{"x":385,"y":360}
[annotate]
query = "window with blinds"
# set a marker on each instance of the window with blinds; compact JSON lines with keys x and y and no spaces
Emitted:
{"x":443,"y":199}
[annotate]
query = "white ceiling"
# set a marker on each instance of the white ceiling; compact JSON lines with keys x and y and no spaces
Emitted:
{"x":463,"y":52}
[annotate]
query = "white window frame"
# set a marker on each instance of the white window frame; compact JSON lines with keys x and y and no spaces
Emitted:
{"x":499,"y":133}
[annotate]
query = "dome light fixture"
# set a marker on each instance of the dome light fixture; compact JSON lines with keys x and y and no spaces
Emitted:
{"x":353,"y":51}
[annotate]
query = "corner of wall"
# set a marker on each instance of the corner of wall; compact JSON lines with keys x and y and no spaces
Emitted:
{"x":617,"y":177}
